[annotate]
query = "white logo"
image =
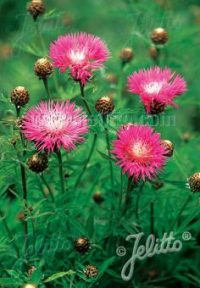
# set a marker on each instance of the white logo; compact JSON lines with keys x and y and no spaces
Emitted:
{"x":153,"y":246}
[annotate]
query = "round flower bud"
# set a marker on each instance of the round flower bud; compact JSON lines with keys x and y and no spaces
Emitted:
{"x":91,"y":271}
{"x":36,"y":8}
{"x":156,"y":108}
{"x":159,"y":36}
{"x":194,"y":182}
{"x":153,"y":53}
{"x":21,"y":216}
{"x":98,"y":198}
{"x":126,"y":55}
{"x":19,"y":96}
{"x":82,"y":245}
{"x":104,"y":105}
{"x":31,"y":270}
{"x":37,"y":162}
{"x":29,"y":286}
{"x":169,"y":148}
{"x":43,"y":68}
{"x":111,"y":78}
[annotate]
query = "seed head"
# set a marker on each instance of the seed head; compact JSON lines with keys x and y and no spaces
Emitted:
{"x":19,"y":96}
{"x":104,"y":105}
{"x":36,"y":8}
{"x":159,"y":36}
{"x":43,"y":68}
{"x":38,"y":162}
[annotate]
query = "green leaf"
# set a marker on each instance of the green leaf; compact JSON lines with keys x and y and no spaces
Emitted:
{"x":59,"y":275}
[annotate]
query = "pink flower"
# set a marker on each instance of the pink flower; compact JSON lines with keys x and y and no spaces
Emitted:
{"x":54,"y":125}
{"x":81,"y":53}
{"x":157,"y":88}
{"x":139,"y":151}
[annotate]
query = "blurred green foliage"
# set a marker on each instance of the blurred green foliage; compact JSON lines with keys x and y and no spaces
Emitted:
{"x":52,"y":231}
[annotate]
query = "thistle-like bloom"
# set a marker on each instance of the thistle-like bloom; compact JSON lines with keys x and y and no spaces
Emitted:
{"x":157,"y":88}
{"x":81,"y":53}
{"x":139,"y":151}
{"x":54,"y":125}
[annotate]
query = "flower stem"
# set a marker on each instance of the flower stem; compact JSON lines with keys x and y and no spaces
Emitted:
{"x":152,"y":217}
{"x":88,"y":160}
{"x":46,"y":86}
{"x":137,"y":202}
{"x":24,"y":189}
{"x":108,"y":149}
{"x":9,"y":232}
{"x":121,"y":190}
{"x":60,"y":162}
{"x":181,"y":211}
{"x":40,"y":37}
{"x":83,"y":98}
{"x":128,"y":198}
{"x":48,"y":187}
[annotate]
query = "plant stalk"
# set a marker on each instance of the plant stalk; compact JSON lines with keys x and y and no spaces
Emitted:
{"x":83,"y":99}
{"x":60,"y":163}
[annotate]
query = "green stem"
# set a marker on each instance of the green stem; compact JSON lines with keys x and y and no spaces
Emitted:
{"x":108,"y":149}
{"x":24,"y":189}
{"x":40,"y":37}
{"x":60,"y":162}
{"x":121,"y":190}
{"x":9,"y":233}
{"x":137,"y":202}
{"x":48,"y":187}
{"x":46,"y":86}
{"x":152,"y":217}
{"x":181,"y":211}
{"x":88,"y":160}
{"x":83,"y":99}
{"x":128,"y":198}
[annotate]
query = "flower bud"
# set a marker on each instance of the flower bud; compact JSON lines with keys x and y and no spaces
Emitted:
{"x":82,"y":245}
{"x":194,"y":182}
{"x":104,"y":105}
{"x":169,"y":148}
{"x":156,"y":108}
{"x":37,"y":162}
{"x":43,"y":68}
{"x":91,"y":271}
{"x":153,"y":53}
{"x":30,"y":286}
{"x":36,"y":8}
{"x":126,"y":55}
{"x":159,"y":36}
{"x":98,"y":198}
{"x":19,"y":96}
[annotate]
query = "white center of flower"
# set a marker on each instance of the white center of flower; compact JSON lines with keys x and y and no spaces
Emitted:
{"x":54,"y":121}
{"x":139,"y":149}
{"x":77,"y":56}
{"x":153,"y":87}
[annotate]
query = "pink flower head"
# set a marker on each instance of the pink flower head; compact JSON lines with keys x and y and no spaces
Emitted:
{"x":81,"y":53}
{"x":54,"y":125}
{"x":157,"y":88}
{"x":139,"y":151}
